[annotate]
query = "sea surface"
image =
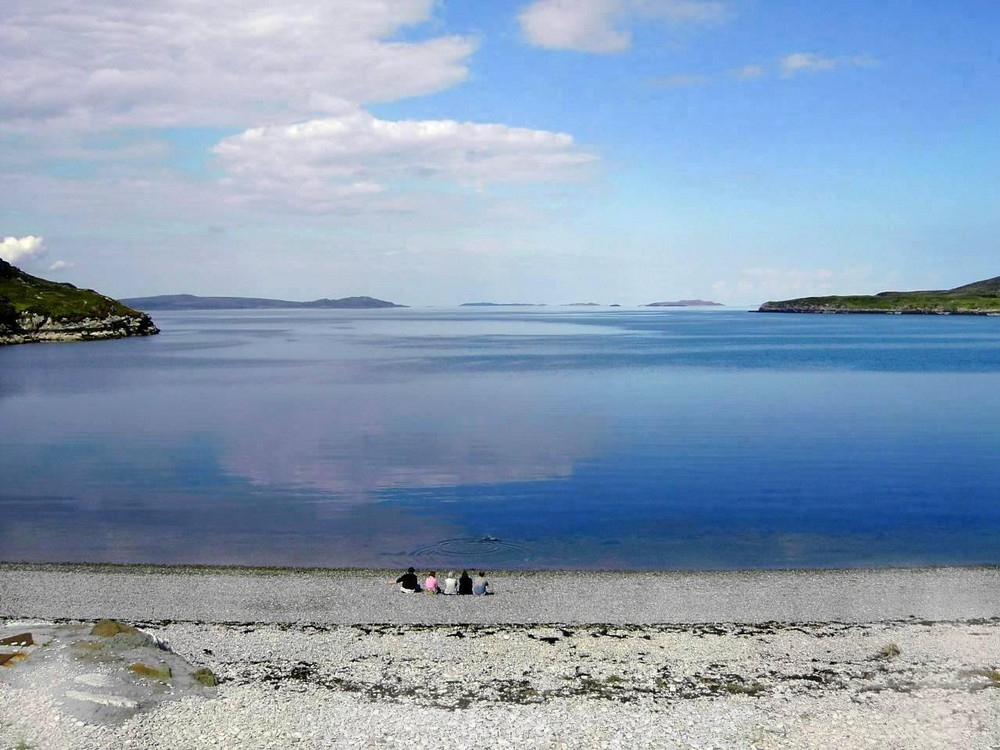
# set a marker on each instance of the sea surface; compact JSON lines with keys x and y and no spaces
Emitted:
{"x":587,"y":438}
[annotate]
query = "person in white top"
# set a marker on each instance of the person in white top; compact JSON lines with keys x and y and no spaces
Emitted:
{"x":451,"y":583}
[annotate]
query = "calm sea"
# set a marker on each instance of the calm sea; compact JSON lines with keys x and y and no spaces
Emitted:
{"x":515,"y":438}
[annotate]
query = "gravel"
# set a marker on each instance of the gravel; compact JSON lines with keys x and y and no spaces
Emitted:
{"x":342,"y":660}
{"x":364,"y":596}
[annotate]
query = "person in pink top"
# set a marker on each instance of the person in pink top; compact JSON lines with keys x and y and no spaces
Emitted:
{"x":431,"y":584}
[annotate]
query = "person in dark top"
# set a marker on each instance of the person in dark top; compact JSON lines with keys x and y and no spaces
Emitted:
{"x":465,"y":583}
{"x":408,"y":581}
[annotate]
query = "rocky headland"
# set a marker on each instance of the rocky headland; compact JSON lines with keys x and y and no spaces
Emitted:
{"x":978,"y":298}
{"x":33,"y":309}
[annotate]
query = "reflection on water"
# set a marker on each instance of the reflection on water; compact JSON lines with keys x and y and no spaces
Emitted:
{"x":352,"y":441}
{"x":542,"y":438}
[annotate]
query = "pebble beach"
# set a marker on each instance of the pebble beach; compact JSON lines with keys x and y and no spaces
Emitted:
{"x":887,"y":658}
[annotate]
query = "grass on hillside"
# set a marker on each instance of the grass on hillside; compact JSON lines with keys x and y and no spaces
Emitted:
{"x":26,"y":293}
{"x":979,"y":296}
{"x":901,"y":301}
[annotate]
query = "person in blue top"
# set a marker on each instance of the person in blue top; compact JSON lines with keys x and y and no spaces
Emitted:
{"x":480,"y":586}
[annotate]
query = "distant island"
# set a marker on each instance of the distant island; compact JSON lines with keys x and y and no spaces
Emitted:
{"x":978,"y":298}
{"x":33,"y":309}
{"x":502,"y":304}
{"x":686,"y":303}
{"x":192,"y":302}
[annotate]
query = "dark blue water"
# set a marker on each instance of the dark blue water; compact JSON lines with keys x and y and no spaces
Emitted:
{"x":536,"y":438}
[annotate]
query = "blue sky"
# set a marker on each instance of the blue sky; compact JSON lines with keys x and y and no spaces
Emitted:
{"x":433,"y":153}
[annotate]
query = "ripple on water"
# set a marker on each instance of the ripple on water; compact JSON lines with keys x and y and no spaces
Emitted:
{"x":473,"y":548}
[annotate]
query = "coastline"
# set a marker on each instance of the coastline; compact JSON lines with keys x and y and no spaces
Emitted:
{"x":363,"y":596}
{"x":906,"y":658}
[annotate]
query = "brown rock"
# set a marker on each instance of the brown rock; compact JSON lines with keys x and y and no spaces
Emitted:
{"x":206,"y":677}
{"x":157,"y":673}
{"x":22,"y":639}
{"x":108,"y":628}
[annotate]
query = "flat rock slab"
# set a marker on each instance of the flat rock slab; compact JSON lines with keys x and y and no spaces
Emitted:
{"x":97,"y":680}
{"x":102,"y":699}
{"x":90,"y":679}
{"x":21,"y":639}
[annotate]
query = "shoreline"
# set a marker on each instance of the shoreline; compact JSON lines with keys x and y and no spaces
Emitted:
{"x":363,"y":596}
{"x":249,"y":569}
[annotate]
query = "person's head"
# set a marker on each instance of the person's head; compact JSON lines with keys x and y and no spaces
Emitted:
{"x":432,"y":574}
{"x":465,"y":574}
{"x":451,"y":573}
{"x":410,"y":570}
{"x":482,"y":574}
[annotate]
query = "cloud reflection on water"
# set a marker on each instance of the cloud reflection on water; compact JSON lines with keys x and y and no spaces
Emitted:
{"x":431,"y":434}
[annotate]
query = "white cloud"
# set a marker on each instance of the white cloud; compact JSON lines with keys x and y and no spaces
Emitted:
{"x":356,"y":156}
{"x":17,"y":249}
{"x":584,"y":25}
{"x":788,"y":66}
{"x":59,"y":265}
{"x":101,"y":64}
{"x":749,"y":72}
{"x":806,"y":62}
{"x":603,"y":25}
{"x":809,"y":62}
{"x":802,"y":62}
{"x":532,"y":446}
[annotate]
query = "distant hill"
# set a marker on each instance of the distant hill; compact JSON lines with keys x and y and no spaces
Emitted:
{"x":686,"y":303}
{"x":34,"y":309}
{"x":191,"y":302}
{"x":502,"y":304}
{"x":978,"y":298}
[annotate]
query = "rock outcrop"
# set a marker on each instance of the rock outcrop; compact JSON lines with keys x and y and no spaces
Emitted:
{"x":34,"y":309}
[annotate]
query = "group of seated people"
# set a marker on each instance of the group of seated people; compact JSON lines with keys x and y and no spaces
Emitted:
{"x":452,"y":584}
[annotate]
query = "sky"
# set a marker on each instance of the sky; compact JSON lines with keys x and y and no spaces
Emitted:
{"x":550,"y":151}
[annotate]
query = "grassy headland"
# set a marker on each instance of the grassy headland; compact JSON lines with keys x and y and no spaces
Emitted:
{"x":978,"y":298}
{"x":35,"y":309}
